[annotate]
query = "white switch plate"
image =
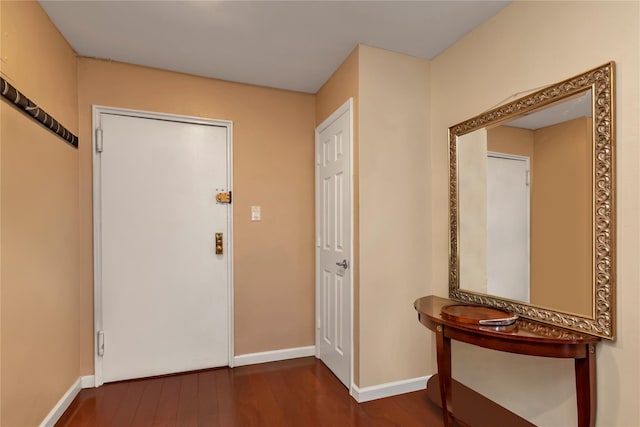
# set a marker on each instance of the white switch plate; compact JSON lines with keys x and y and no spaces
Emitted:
{"x":255,"y":213}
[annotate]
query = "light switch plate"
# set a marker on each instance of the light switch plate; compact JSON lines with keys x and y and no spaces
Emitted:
{"x":255,"y":213}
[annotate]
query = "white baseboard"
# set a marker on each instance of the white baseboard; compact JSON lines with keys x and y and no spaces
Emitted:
{"x":380,"y":391}
{"x":54,"y":415}
{"x":88,"y":381}
{"x":273,"y":356}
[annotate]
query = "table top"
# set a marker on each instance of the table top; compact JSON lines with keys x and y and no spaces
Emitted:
{"x":429,"y":310}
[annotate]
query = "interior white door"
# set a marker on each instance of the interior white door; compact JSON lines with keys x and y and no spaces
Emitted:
{"x":508,"y":226}
{"x":164,"y":289}
{"x":333,"y":195}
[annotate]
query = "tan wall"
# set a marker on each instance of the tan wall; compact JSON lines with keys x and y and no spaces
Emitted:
{"x":39,"y":199}
{"x":511,"y":140}
{"x":472,"y":200}
{"x":273,"y":168}
{"x":394,"y":141}
{"x":341,"y":86}
{"x":561,"y":276}
{"x":493,"y":62}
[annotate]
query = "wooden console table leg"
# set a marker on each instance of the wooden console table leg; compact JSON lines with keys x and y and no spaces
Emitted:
{"x":443,"y":348}
{"x":586,"y":388}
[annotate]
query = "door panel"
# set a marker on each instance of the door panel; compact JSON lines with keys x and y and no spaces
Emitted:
{"x":508,"y":228}
{"x":334,"y":246}
{"x":164,"y":290}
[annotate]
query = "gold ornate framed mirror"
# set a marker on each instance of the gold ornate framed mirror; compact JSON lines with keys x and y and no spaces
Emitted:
{"x":532,"y":205}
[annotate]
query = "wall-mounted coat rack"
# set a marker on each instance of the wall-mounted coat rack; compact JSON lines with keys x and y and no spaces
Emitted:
{"x":13,"y":95}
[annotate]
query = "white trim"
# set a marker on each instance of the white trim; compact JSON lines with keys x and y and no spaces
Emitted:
{"x":88,"y":381}
{"x":508,"y":156}
{"x":380,"y":391}
{"x":97,"y":245}
{"x":273,"y":356}
{"x":54,"y":415}
{"x":230,"y":300}
{"x":346,"y":107}
{"x":97,"y":110}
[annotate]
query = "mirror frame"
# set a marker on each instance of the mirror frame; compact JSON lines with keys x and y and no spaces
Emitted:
{"x":601,"y":81}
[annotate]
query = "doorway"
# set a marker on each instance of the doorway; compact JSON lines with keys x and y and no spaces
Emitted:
{"x":162,"y":244}
{"x":334,"y":236}
{"x":508,"y":226}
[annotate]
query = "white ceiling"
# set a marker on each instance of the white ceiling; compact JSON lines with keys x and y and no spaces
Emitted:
{"x":292,"y":45}
{"x":567,"y":109}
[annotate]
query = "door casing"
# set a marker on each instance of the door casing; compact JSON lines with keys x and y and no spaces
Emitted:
{"x":97,"y":110}
{"x":346,"y":107}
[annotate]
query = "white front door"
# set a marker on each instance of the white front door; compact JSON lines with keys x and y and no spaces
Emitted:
{"x":508,"y":226}
{"x":333,"y":243}
{"x":164,"y":290}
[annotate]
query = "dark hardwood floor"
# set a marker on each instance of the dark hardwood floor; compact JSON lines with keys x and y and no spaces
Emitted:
{"x":296,"y":393}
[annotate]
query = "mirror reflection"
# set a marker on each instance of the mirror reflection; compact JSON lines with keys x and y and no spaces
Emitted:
{"x":532,"y":205}
{"x":526,"y":190}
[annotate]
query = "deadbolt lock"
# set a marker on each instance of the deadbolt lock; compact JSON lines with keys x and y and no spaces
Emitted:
{"x":219,"y":245}
{"x":223,"y":197}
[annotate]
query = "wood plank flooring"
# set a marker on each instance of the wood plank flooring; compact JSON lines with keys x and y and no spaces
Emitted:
{"x":295,"y":393}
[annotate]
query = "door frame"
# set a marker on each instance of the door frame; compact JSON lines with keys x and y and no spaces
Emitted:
{"x":97,"y":110}
{"x":346,"y":107}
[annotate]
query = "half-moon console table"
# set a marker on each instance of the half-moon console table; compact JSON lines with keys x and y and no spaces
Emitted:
{"x":523,"y":337}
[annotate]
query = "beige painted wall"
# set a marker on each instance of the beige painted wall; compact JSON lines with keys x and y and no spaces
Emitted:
{"x":39,"y":221}
{"x":273,"y":168}
{"x":561,"y":205}
{"x":342,"y":85}
{"x":493,"y":62}
{"x":472,"y":201}
{"x":511,"y":140}
{"x":394,"y":139}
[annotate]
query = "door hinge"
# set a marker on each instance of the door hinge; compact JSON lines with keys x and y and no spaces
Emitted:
{"x":223,"y":197}
{"x":100,"y":343}
{"x":99,"y":146}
